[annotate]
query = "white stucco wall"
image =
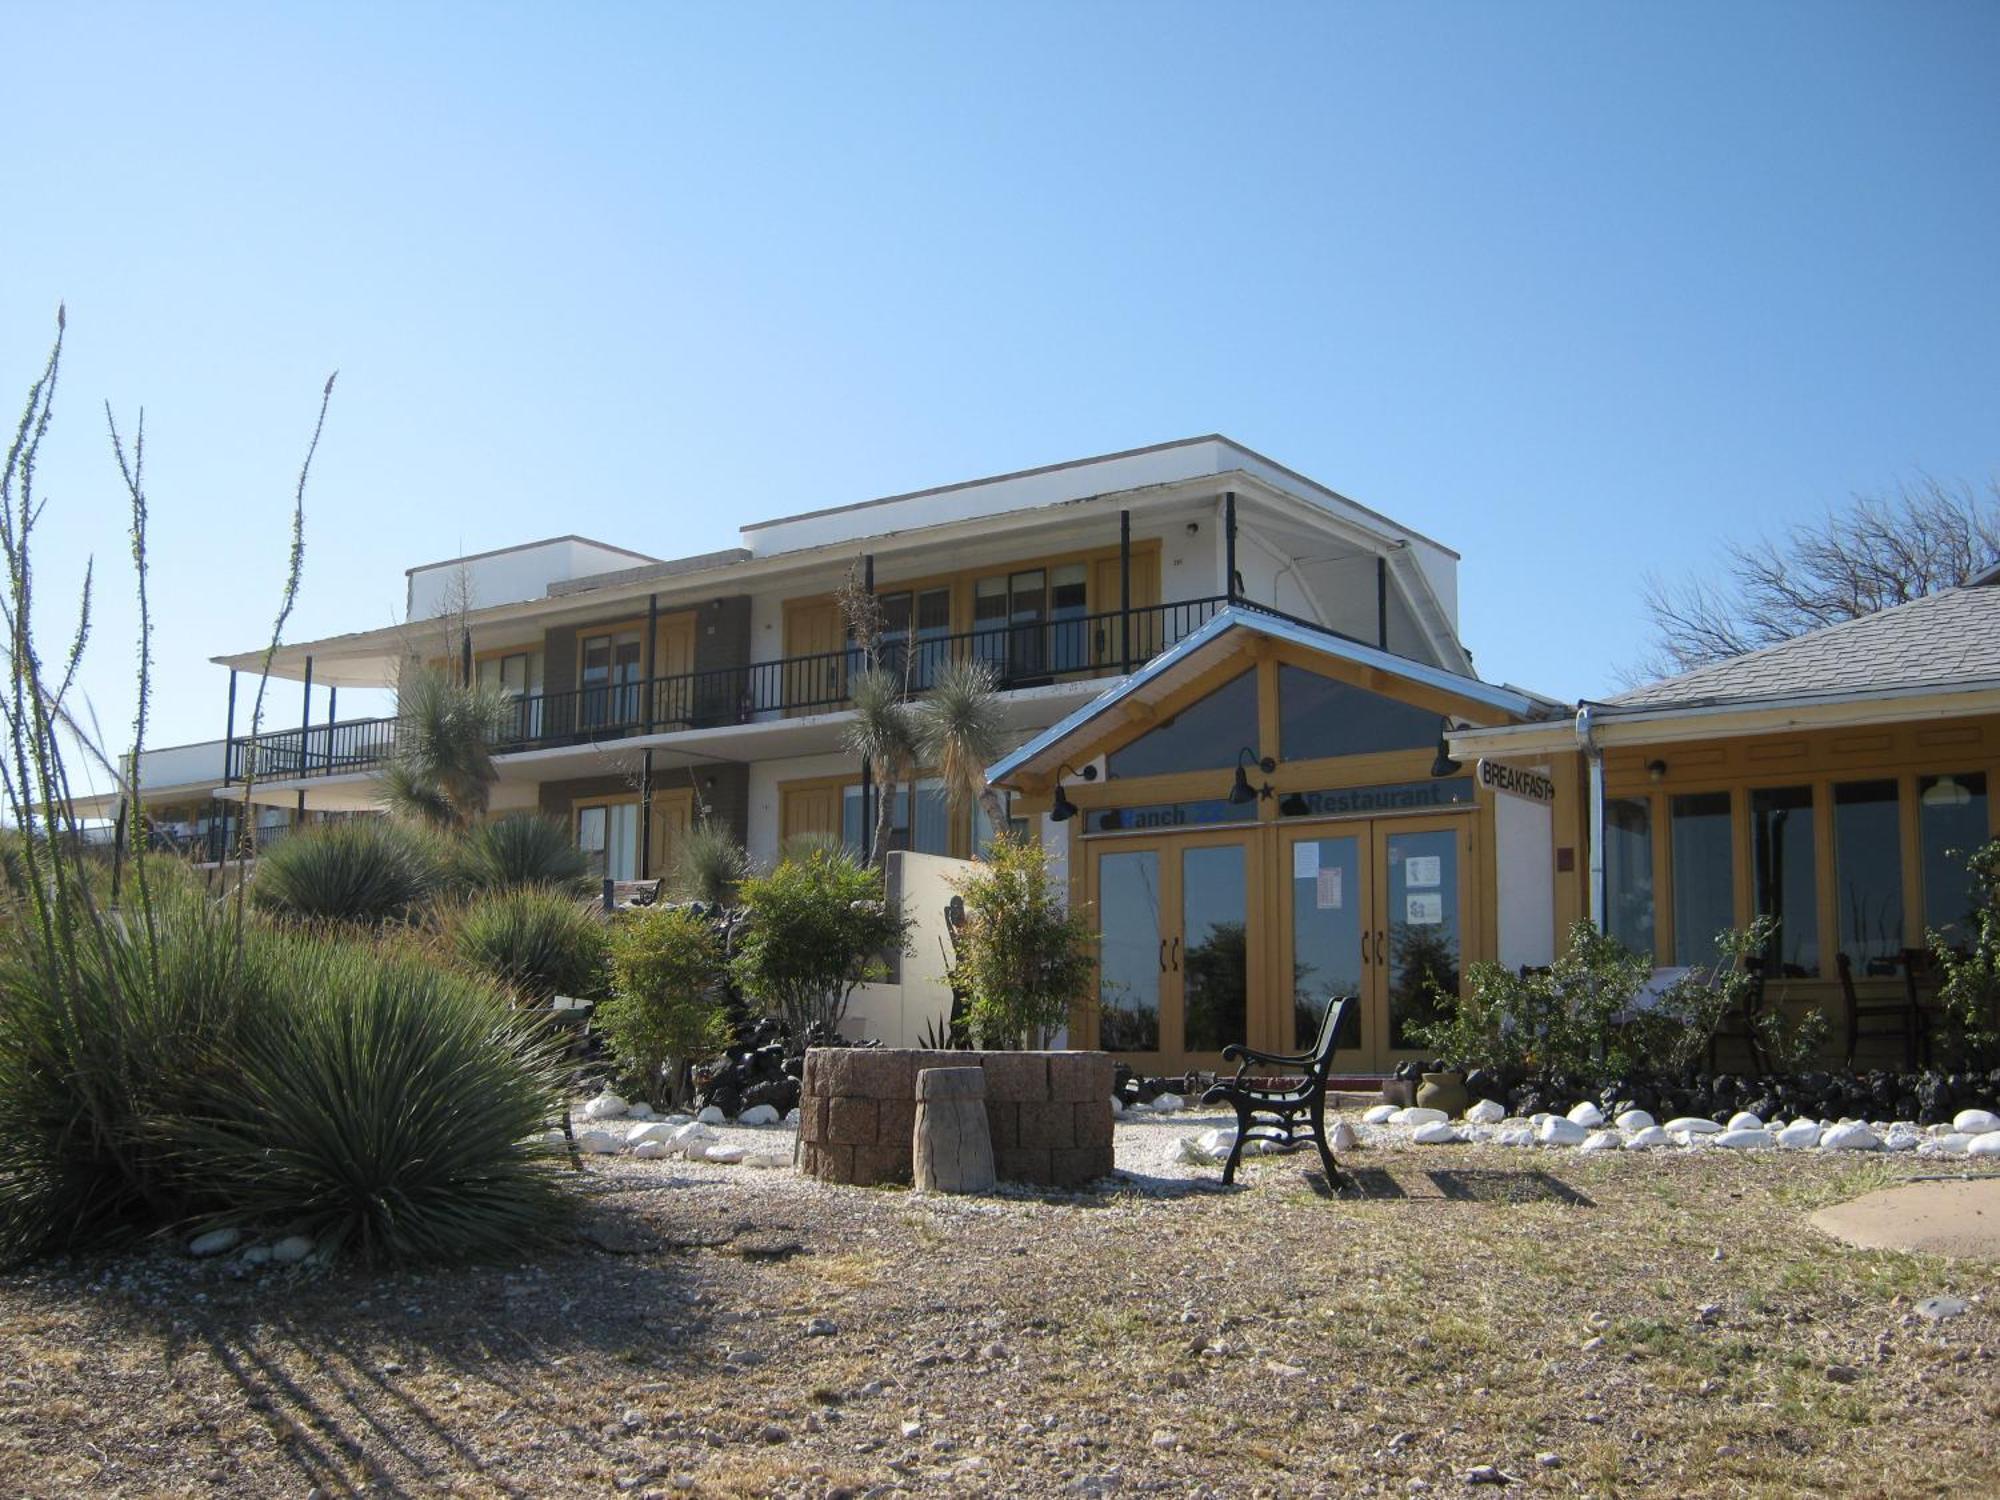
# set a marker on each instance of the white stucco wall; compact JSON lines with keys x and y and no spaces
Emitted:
{"x":512,"y":576}
{"x":1524,"y":865}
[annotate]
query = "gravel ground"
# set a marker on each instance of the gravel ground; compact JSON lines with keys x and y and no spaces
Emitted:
{"x":1631,"y":1324}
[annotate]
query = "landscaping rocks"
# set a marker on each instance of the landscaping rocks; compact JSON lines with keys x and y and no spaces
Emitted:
{"x":1555,"y":1130}
{"x":292,"y":1249}
{"x":1435,"y":1132}
{"x":760,"y":1114}
{"x":1486,"y":1112}
{"x":1850,"y":1136}
{"x":1975,"y":1122}
{"x":606,"y":1106}
{"x":215,"y":1242}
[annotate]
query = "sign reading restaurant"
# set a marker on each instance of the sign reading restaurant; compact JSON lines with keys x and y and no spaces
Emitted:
{"x":1517,"y":781}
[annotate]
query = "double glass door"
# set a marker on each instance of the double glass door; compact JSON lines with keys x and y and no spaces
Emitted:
{"x":1249,"y":935}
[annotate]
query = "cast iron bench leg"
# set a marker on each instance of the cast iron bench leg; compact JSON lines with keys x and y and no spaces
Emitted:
{"x":1236,"y":1150}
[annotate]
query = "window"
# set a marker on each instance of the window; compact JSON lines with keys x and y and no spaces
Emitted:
{"x":519,"y":676}
{"x":932,"y":834}
{"x":1628,"y":872}
{"x":914,"y":631}
{"x":1868,"y":874}
{"x":1319,"y":717}
{"x":1782,"y":861}
{"x":608,"y":834}
{"x":1704,"y":875}
{"x":1951,"y":823}
{"x":1030,"y":624}
{"x":611,"y":668}
{"x":1204,"y":736}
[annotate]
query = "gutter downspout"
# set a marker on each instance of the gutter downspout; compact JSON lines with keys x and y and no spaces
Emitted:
{"x":1594,"y":760}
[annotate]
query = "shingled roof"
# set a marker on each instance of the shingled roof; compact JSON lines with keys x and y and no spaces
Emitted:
{"x":1942,"y":640}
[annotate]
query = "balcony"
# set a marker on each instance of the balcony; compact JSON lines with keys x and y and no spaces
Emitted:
{"x":1022,"y":655}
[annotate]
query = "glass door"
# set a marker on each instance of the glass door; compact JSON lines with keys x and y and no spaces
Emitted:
{"x":611,"y":669}
{"x":1132,"y":945}
{"x":1419,"y":932}
{"x":1324,"y":941}
{"x":1210,"y":957}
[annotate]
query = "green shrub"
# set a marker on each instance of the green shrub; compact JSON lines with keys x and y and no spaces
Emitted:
{"x":520,"y":849}
{"x":1969,"y":970}
{"x":362,"y":870}
{"x":391,"y":1117}
{"x":709,"y":865}
{"x":536,"y":942}
{"x":1024,"y":958}
{"x":664,"y":1013}
{"x":195,"y":1072}
{"x":817,"y":927}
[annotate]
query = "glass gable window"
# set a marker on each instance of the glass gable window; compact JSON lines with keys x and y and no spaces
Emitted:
{"x":1704,"y":876}
{"x":1204,"y":736}
{"x":1628,"y":872}
{"x":1951,"y":823}
{"x":1782,"y":859}
{"x":1319,"y":717}
{"x":1868,"y":874}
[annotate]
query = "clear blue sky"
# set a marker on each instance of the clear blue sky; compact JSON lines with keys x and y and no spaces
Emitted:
{"x":1579,"y":290}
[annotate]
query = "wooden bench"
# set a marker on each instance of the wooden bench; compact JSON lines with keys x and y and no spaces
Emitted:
{"x":1269,"y":1108}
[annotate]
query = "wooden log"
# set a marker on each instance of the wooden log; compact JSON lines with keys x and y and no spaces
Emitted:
{"x":951,"y":1147}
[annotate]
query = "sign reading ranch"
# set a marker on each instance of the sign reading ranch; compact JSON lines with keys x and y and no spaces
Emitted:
{"x":1517,"y":781}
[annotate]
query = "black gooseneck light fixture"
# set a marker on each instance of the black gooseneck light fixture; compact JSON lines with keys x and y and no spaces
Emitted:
{"x":1242,"y":792}
{"x":1061,"y":810}
{"x":1444,"y":765}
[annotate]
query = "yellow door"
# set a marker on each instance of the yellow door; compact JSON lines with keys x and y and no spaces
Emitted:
{"x":815,"y":674}
{"x":809,"y":810}
{"x":1108,"y":633}
{"x":673,"y":660}
{"x":673,"y":815}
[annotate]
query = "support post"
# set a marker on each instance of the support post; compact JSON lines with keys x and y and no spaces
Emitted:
{"x":299,"y":813}
{"x":652,"y":665}
{"x":1229,"y":542}
{"x":465,"y":657}
{"x":332,"y":717}
{"x":229,"y":734}
{"x":306,"y":720}
{"x":867,"y":776}
{"x":1125,"y":590}
{"x":646,"y":815}
{"x":1382,"y":601}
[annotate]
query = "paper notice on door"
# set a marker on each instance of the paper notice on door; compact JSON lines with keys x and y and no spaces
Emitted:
{"x":1327,"y":895}
{"x":1423,"y":870}
{"x":1305,"y":860}
{"x":1424,"y":908}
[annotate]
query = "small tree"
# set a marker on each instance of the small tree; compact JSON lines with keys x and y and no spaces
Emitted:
{"x":1970,"y":974}
{"x":664,"y":1014}
{"x":817,"y":927}
{"x":1024,"y":958}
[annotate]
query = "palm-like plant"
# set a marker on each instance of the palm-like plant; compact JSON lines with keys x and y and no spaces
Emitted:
{"x":959,"y":733}
{"x":710,"y":864}
{"x":443,"y":770}
{"x":883,"y":733}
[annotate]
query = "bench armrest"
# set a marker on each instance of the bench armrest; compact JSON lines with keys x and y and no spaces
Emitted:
{"x":1235,"y":1051}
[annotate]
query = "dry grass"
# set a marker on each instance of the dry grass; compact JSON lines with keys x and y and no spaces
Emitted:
{"x":1267,"y":1341}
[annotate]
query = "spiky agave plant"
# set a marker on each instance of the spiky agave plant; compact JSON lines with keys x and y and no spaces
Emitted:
{"x":517,"y":850}
{"x":960,"y":732}
{"x":709,"y":865}
{"x":360,"y":870}
{"x":883,"y":733}
{"x":536,"y":942}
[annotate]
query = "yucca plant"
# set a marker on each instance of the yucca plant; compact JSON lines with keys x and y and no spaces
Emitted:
{"x":710,"y":864}
{"x":536,"y":942}
{"x":960,"y":732}
{"x":443,"y":771}
{"x":360,"y":870}
{"x":883,"y":733}
{"x":520,"y":849}
{"x":390,"y":1118}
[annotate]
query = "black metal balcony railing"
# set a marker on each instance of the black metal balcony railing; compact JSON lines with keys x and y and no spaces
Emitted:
{"x":1021,"y":655}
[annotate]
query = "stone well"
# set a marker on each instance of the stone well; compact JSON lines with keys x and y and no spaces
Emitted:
{"x":1050,"y":1113}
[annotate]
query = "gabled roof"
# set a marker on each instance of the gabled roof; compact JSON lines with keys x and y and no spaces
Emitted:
{"x":1196,"y":652}
{"x":1938,"y":641}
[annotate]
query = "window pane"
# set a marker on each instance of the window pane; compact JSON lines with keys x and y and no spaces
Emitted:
{"x":859,"y":838}
{"x":1068,"y":635}
{"x":1204,"y":736}
{"x":590,"y":837}
{"x":1951,"y":818}
{"x":1782,"y":858}
{"x":1215,"y":919}
{"x":1628,"y":872}
{"x":621,"y":843}
{"x":1320,"y":717}
{"x":932,"y":835}
{"x":1704,"y":878}
{"x":1129,"y":961}
{"x":1326,"y":935}
{"x":1868,"y":874}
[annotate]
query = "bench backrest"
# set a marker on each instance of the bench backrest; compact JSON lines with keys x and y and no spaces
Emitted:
{"x":1321,"y":1060}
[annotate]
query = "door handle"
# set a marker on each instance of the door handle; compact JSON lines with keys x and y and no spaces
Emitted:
{"x":1381,"y":948}
{"x":1365,"y":960}
{"x":1177,"y":955}
{"x":1163,"y":955}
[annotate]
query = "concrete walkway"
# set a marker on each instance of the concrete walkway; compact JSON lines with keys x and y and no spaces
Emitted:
{"x":1959,"y":1218}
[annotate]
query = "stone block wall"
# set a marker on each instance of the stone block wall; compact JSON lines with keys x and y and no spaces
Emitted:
{"x":1050,"y":1113}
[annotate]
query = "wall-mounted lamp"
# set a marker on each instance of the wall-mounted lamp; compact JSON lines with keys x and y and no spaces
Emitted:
{"x":1656,"y":770}
{"x":1061,"y":810}
{"x":1194,"y":528}
{"x":1444,"y":765}
{"x":1242,"y":792}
